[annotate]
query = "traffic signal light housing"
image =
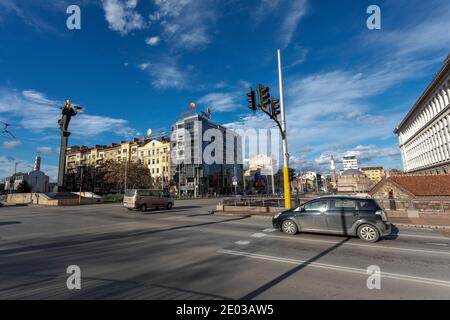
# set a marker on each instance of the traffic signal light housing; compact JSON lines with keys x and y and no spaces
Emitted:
{"x":291,"y":175}
{"x":264,"y":97}
{"x":252,"y":100}
{"x":275,"y":107}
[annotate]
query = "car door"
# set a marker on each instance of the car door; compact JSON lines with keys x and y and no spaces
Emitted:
{"x":341,"y":215}
{"x":312,"y":216}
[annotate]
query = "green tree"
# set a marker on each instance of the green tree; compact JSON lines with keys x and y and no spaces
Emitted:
{"x":23,"y":187}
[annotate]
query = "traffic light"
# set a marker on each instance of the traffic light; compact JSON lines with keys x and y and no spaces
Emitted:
{"x":252,"y":100}
{"x":264,"y":97}
{"x":275,"y":107}
{"x":291,"y":175}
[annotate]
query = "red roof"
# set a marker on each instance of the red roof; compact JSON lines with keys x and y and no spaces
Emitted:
{"x":433,"y":185}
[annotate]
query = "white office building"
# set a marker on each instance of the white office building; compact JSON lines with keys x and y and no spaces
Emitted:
{"x":350,"y":162}
{"x":424,"y":135}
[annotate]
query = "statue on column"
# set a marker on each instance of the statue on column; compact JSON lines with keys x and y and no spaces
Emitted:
{"x":67,"y":113}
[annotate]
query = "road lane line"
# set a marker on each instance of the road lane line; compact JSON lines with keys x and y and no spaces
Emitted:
{"x":258,"y":235}
{"x":270,"y":230}
{"x":404,"y":277}
{"x":361,"y":245}
{"x":242,"y":242}
{"x":401,"y":235}
{"x":438,"y":244}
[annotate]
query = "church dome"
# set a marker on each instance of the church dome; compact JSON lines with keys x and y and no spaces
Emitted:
{"x":352,"y":172}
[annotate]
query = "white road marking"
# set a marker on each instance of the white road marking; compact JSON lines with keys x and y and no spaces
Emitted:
{"x":438,"y":244}
{"x":258,"y":235}
{"x":402,"y":235}
{"x":270,"y":230}
{"x":429,"y":281}
{"x":362,"y":245}
{"x":242,"y":242}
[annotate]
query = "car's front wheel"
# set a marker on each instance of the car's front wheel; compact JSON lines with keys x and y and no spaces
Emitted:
{"x":143,"y":208}
{"x":368,"y":233}
{"x":169,"y":206}
{"x":289,"y":227}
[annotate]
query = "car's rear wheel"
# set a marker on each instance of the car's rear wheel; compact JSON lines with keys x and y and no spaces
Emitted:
{"x":169,"y":206}
{"x":143,"y":208}
{"x":368,"y":233}
{"x":289,"y":227}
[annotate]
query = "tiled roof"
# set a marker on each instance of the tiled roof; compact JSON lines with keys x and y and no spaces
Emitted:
{"x":432,"y":185}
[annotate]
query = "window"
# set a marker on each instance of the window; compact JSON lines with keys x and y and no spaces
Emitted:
{"x":367,"y":205}
{"x":316,"y":206}
{"x":153,"y":161}
{"x":124,"y":151}
{"x":157,"y":170}
{"x":343,"y":204}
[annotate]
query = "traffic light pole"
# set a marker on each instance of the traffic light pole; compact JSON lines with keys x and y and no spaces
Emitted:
{"x":286,"y":182}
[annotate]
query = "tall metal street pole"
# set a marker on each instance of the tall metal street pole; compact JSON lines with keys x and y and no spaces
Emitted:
{"x":287,"y":187}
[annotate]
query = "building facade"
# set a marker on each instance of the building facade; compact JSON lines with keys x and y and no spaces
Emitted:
{"x":37,"y":180}
{"x":424,"y":135}
{"x":192,"y":138}
{"x":414,"y":195}
{"x":354,"y":181}
{"x":83,"y":161}
{"x":376,"y":174}
{"x":350,"y":162}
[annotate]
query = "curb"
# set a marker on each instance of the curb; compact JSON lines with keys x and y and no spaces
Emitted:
{"x":421,"y":226}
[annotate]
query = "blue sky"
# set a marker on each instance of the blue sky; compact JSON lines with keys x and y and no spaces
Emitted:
{"x":138,"y":64}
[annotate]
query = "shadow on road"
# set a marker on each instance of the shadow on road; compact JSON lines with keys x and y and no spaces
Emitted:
{"x":114,"y":236}
{"x":289,"y":273}
{"x":9,"y":222}
{"x":394,"y":233}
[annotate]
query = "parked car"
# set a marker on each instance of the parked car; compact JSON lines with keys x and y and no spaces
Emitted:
{"x":342,"y":215}
{"x":143,"y":199}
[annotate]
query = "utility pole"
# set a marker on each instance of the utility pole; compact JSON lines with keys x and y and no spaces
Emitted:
{"x":274,"y":107}
{"x":287,"y":188}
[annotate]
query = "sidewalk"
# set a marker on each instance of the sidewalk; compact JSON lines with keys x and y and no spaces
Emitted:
{"x":433,"y":223}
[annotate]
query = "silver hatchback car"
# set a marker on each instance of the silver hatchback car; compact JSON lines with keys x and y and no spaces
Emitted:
{"x":143,"y":199}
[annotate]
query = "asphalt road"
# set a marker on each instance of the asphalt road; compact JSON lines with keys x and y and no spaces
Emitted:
{"x":186,"y":253}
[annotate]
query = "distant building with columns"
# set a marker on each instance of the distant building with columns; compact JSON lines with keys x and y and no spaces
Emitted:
{"x":424,"y":133}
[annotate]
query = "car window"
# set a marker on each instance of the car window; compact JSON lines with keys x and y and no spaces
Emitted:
{"x":155,"y":193}
{"x":130,"y":193}
{"x":367,"y":205}
{"x":144,"y":193}
{"x":316,"y":206}
{"x":343,"y":204}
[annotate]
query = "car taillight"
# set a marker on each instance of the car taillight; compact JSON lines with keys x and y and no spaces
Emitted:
{"x":382,"y":215}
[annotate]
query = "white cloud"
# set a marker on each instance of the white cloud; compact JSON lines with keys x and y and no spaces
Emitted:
{"x":186,"y":24}
{"x":122,"y":16}
{"x":144,"y":66}
{"x":221,"y":102}
{"x":296,"y":11}
{"x":35,"y":112}
{"x":44,"y":150}
{"x":11,"y":144}
{"x":152,"y":41}
{"x":166,"y":74}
